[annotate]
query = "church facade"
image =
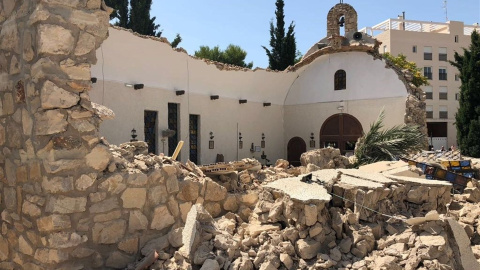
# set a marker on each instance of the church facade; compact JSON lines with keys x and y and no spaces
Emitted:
{"x":327,"y":99}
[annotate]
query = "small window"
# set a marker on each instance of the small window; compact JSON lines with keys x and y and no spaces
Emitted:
{"x":428,"y":92}
{"x":442,"y":54}
{"x":443,"y":112}
{"x":340,"y":80}
{"x":456,"y":38}
{"x":384,"y":48}
{"x":442,"y":73}
{"x":427,"y":53}
{"x":457,"y":96}
{"x":427,"y":72}
{"x":457,"y":77}
{"x":443,"y":93}
{"x":429,"y":110}
{"x":414,"y":49}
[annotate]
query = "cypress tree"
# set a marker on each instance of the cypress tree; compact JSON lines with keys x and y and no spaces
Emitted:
{"x":468,"y":115}
{"x":283,"y":47}
{"x":140,"y":20}
{"x":120,"y":11}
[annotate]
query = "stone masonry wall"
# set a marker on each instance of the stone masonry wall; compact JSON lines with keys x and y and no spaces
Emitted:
{"x":68,"y":199}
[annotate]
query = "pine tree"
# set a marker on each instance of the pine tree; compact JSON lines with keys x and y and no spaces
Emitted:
{"x":468,"y":115}
{"x":283,"y":46}
{"x":233,"y":55}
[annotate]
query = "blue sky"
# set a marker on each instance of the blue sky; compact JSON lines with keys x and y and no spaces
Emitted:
{"x":246,"y":22}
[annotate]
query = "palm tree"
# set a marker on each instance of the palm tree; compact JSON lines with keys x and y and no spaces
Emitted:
{"x":379,"y":145}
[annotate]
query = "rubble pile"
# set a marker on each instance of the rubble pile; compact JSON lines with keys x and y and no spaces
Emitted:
{"x":305,"y":237}
{"x":424,"y":246}
{"x":278,"y":217}
{"x":467,"y":212}
{"x":324,"y":158}
{"x":300,"y":225}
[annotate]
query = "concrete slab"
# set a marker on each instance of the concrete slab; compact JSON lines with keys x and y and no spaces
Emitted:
{"x":382,"y":166}
{"x":418,"y":181}
{"x":360,"y":183}
{"x":300,"y":191}
{"x":326,"y":175}
{"x":460,"y":244}
{"x":405,"y":171}
{"x":371,"y":176}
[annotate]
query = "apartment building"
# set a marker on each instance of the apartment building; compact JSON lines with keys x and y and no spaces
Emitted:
{"x":430,"y":45}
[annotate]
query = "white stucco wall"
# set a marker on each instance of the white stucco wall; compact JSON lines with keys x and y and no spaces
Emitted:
{"x":366,"y":79}
{"x":301,"y":100}
{"x":218,"y":116}
{"x":302,"y":120}
{"x":127,"y":58}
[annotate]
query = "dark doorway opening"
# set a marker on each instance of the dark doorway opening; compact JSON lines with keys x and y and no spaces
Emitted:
{"x":150,"y":130}
{"x":194,"y":137}
{"x":341,"y":131}
{"x":173,"y":124}
{"x":295,"y":148}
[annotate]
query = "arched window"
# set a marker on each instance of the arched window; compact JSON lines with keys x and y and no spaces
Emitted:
{"x":340,"y":80}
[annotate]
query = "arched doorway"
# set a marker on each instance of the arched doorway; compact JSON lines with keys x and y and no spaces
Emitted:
{"x":295,"y":148}
{"x":341,"y":131}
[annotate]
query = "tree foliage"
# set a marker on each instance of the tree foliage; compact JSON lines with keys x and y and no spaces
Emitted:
{"x":388,"y":144}
{"x":135,"y":15}
{"x":176,"y":41}
{"x":298,"y":56}
{"x":401,"y":62}
{"x":283,"y":45}
{"x":140,"y":20}
{"x":233,"y":55}
{"x":468,"y":114}
{"x":120,"y":11}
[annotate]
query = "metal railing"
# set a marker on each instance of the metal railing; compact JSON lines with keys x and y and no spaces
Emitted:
{"x":416,"y":26}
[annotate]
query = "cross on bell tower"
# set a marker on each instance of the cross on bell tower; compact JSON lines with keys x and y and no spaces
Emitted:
{"x":341,"y":1}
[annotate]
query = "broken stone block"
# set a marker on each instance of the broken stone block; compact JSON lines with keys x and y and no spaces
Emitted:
{"x":134,"y":197}
{"x":53,"y":222}
{"x":54,"y":40}
{"x":310,"y":214}
{"x":189,"y":190}
{"x":129,"y":245}
{"x":66,"y":205}
{"x":118,"y":260}
{"x":307,"y":248}
{"x":50,"y":122}
{"x":137,"y":221}
{"x":157,"y":244}
{"x":98,"y":158}
{"x":210,"y":264}
{"x":53,"y":97}
{"x":108,"y":232}
{"x":214,"y":191}
{"x":175,"y":237}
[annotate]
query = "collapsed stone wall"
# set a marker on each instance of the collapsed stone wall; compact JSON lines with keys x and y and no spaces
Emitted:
{"x":288,"y":233}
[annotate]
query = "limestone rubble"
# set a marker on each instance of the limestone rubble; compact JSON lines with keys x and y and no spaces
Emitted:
{"x":285,"y":230}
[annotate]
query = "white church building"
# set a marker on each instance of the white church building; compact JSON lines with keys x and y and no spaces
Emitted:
{"x":328,"y":99}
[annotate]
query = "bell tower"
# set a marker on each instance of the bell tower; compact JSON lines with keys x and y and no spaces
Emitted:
{"x":341,"y":15}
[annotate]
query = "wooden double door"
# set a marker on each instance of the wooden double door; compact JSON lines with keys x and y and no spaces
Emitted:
{"x":341,"y":131}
